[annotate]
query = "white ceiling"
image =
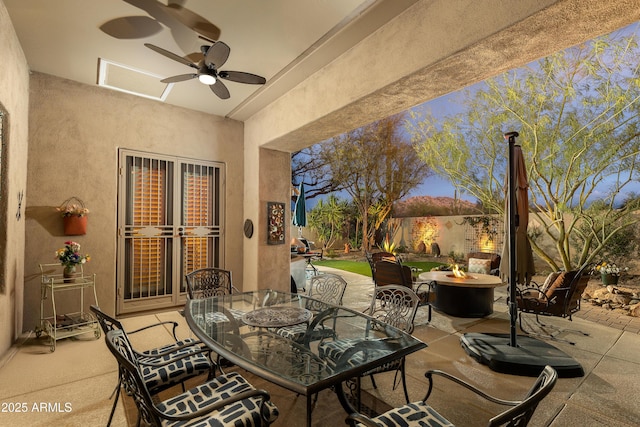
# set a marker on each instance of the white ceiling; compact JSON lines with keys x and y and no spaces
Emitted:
{"x":282,"y":40}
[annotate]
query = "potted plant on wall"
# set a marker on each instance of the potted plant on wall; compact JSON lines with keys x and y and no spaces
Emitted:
{"x":74,"y":216}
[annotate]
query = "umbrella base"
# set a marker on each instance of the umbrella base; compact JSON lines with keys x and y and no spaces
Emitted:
{"x":528,"y":358}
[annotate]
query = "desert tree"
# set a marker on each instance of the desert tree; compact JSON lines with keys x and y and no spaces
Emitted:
{"x":577,"y":113}
{"x":376,"y":165}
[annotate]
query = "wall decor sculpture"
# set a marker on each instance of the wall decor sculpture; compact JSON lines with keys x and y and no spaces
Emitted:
{"x":275,"y":223}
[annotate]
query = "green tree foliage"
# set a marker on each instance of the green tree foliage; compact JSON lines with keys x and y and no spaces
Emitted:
{"x":577,"y":113}
{"x":327,"y":219}
{"x":376,"y":165}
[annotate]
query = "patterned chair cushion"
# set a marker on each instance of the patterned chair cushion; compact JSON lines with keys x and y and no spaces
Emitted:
{"x":177,"y":344}
{"x":477,"y":265}
{"x":294,"y":333}
{"x":413,"y":414}
{"x":243,"y":413}
{"x":160,"y":378}
{"x":332,"y":351}
{"x":213,"y":319}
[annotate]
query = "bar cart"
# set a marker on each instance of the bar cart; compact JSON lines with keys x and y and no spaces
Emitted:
{"x":68,"y":324}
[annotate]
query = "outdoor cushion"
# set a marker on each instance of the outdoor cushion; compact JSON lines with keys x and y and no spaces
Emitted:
{"x":416,"y":413}
{"x":482,"y":266}
{"x":548,"y":282}
{"x":561,"y":281}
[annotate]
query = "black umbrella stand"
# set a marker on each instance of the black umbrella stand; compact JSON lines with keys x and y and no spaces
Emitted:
{"x":511,"y":353}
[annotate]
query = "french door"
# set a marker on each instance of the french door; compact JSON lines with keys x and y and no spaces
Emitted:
{"x":170,"y":222}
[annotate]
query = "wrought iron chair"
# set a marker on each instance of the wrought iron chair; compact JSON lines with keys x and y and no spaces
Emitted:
{"x":389,"y":272}
{"x":394,"y":305}
{"x":558,"y":297}
{"x":326,"y":288}
{"x":227,"y":400}
{"x":208,"y":282}
{"x":162,"y":367}
{"x":420,"y":413}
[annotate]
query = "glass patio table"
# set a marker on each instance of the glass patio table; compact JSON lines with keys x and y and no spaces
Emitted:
{"x":242,"y":328}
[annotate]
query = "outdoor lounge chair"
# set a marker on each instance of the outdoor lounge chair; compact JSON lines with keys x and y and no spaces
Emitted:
{"x":374,"y":257}
{"x":559,"y":296}
{"x":420,"y":413}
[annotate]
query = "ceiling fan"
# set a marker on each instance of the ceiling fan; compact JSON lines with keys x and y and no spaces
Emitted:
{"x":208,"y":73}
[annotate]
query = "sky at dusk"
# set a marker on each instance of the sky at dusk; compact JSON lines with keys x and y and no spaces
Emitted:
{"x":452,"y":104}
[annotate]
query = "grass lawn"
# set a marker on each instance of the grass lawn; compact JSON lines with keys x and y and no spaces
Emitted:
{"x":362,"y":267}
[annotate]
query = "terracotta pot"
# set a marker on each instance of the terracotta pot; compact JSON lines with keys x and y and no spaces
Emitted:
{"x":75,"y":225}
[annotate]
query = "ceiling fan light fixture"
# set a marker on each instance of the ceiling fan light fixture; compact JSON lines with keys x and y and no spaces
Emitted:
{"x":207,"y":79}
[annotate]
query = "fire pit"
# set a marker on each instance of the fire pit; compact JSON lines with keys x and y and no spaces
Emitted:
{"x":463,"y":295}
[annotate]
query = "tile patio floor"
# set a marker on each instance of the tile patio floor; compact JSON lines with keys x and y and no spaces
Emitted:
{"x":82,"y":374}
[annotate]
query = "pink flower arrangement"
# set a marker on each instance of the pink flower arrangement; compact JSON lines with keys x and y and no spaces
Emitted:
{"x":69,"y":256}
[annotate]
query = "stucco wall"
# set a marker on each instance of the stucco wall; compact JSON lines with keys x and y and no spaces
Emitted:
{"x":273,"y":263}
{"x":14,"y":101}
{"x":75,"y":134}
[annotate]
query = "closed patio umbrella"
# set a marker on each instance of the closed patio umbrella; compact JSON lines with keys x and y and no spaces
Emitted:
{"x":516,"y":265}
{"x":523,"y":262}
{"x":501,"y":352}
{"x":300,"y":211}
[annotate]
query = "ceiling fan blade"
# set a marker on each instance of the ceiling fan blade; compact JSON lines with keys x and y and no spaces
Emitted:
{"x":220,"y":89}
{"x":217,"y":55}
{"x":194,"y":21}
{"x":242,"y":77}
{"x":180,"y":78}
{"x":170,"y":55}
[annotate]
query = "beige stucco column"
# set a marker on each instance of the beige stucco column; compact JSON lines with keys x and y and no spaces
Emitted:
{"x":267,"y":179}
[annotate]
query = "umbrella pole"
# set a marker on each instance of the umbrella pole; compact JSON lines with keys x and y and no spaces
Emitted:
{"x":500,"y":351}
{"x":513,"y":223}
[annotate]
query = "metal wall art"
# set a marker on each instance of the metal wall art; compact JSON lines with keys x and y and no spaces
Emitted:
{"x":275,"y":223}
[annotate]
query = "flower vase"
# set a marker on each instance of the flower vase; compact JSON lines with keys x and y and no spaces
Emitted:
{"x":609,"y":279}
{"x":69,"y":273}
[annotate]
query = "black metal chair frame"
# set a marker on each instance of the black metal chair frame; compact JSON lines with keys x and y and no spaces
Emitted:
{"x":394,"y":273}
{"x":121,"y":349}
{"x":108,"y":323}
{"x":519,"y":414}
{"x":325,"y":289}
{"x":209,"y":281}
{"x":393,"y":305}
{"x":563,"y":302}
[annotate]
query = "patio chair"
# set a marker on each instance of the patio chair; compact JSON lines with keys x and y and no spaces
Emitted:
{"x":394,"y":305}
{"x":326,"y":289}
{"x":227,"y":400}
{"x":420,"y":413}
{"x":559,"y":296}
{"x":390,"y":272}
{"x":208,"y":282}
{"x":162,"y":367}
{"x":374,"y":257}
